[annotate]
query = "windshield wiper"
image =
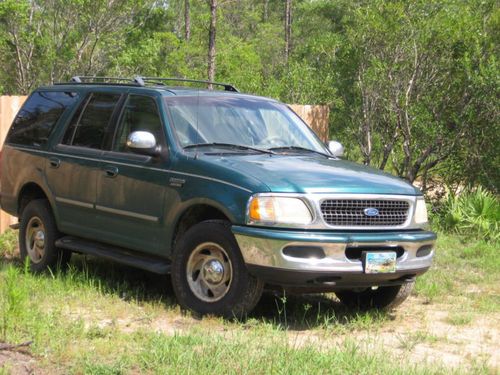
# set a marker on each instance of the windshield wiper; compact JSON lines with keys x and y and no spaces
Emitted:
{"x":229,"y":145}
{"x":298,"y":148}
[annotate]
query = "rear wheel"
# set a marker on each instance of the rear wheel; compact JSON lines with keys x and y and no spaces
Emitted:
{"x":384,"y":298}
{"x":37,"y":236}
{"x":209,"y":275}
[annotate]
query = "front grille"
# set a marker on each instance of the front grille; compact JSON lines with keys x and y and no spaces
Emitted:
{"x":351,"y":212}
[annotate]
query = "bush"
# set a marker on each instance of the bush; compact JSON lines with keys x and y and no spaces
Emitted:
{"x":472,"y":212}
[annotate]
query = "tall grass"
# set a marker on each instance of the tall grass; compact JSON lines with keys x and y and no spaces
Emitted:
{"x":473,"y":212}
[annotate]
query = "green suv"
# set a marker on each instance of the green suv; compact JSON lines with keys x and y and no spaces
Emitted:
{"x":227,"y":192}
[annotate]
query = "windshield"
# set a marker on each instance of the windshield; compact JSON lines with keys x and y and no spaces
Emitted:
{"x":240,"y":121}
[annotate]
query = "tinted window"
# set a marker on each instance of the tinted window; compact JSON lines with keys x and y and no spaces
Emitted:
{"x":140,"y":113}
{"x":36,"y":119}
{"x":88,"y":129}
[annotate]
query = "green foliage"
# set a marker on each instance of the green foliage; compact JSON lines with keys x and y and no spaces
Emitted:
{"x":413,"y":86}
{"x":473,"y":212}
{"x":8,"y":243}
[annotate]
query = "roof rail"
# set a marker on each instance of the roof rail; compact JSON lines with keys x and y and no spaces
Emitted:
{"x":142,"y":81}
{"x":102,"y":80}
{"x":227,"y":86}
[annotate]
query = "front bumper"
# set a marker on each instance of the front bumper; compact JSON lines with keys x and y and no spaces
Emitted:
{"x":270,"y":255}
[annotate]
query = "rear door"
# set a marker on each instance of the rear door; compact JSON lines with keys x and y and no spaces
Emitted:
{"x":131,"y":187}
{"x":25,"y":153}
{"x":75,"y":163}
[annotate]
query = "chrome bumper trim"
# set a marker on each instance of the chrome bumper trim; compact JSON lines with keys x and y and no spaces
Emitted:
{"x":269,"y":253}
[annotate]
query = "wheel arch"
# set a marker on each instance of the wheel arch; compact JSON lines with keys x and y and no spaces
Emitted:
{"x":195,"y":213}
{"x":28,"y":192}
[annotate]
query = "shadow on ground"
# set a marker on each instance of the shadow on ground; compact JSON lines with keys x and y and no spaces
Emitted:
{"x":276,"y":307}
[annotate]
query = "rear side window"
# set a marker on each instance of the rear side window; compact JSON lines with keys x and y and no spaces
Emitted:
{"x":89,"y":125}
{"x":36,"y":119}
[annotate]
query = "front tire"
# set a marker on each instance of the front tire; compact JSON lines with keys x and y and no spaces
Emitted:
{"x":37,"y":236}
{"x":383,"y":298}
{"x":209,"y":275}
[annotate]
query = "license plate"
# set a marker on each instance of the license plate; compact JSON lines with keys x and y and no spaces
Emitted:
{"x":379,"y":262}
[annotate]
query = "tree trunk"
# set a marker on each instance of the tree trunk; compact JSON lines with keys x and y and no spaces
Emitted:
{"x":265,"y":15}
{"x":211,"y":41}
{"x":187,"y":21}
{"x":288,"y":28}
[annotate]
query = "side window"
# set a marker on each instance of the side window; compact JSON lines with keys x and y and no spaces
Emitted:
{"x":140,"y":113}
{"x":36,"y":119}
{"x":88,"y":129}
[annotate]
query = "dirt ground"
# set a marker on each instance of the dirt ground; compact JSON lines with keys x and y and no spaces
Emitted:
{"x":17,"y":362}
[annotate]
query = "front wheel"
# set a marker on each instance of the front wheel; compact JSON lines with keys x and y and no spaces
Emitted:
{"x":383,"y":298}
{"x":209,"y":275}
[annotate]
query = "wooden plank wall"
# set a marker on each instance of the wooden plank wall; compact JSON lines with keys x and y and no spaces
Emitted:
{"x":9,"y":105}
{"x":316,"y":116}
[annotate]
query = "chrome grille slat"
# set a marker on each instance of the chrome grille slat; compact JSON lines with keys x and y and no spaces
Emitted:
{"x":350,"y":212}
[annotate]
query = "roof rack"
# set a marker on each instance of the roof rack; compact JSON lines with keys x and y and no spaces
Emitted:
{"x":143,"y":81}
{"x":227,"y":86}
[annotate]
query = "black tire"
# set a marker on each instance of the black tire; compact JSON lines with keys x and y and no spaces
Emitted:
{"x":207,"y":242}
{"x":383,"y":298}
{"x":42,"y":253}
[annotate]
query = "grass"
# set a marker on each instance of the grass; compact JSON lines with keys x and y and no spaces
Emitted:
{"x":464,"y":270}
{"x":410,"y":341}
{"x":460,"y":318}
{"x":101,"y":318}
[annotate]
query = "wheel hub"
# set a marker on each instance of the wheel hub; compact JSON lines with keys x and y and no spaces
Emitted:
{"x":213,"y":271}
{"x":39,"y":239}
{"x":209,"y":272}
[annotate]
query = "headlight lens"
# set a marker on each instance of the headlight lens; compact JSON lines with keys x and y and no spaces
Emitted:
{"x":420,"y":212}
{"x":278,"y":210}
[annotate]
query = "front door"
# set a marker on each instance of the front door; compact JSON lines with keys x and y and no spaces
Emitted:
{"x":131,"y":187}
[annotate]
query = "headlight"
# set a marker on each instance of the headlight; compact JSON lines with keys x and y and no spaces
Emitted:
{"x":278,"y":210}
{"x":420,"y":212}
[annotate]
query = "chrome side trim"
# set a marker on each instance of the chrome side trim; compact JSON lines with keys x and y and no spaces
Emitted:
{"x":74,"y":202}
{"x":133,"y":165}
{"x":269,"y":253}
{"x":127,"y":213}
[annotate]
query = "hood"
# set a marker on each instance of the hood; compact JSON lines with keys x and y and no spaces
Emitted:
{"x":314,"y":174}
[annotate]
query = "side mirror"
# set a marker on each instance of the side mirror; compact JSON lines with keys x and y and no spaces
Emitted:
{"x":336,"y":148}
{"x":142,"y":142}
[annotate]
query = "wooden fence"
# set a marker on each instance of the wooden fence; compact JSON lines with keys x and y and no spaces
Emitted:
{"x":315,"y":116}
{"x":9,"y":105}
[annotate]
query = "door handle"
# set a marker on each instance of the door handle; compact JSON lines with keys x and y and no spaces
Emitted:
{"x":54,"y":162}
{"x":110,"y":171}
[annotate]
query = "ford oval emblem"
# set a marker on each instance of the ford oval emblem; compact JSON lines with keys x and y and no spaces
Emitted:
{"x":371,"y":211}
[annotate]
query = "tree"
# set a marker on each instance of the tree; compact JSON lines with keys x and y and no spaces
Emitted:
{"x":411,"y":100}
{"x":211,"y":40}
{"x":187,"y":21}
{"x":288,"y":28}
{"x":51,"y":40}
{"x":413,"y":86}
